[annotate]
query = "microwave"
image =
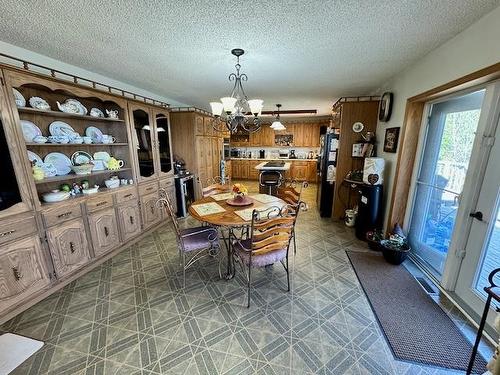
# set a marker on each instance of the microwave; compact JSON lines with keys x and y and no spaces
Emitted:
{"x":284,"y":154}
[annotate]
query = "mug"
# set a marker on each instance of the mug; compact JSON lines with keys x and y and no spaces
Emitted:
{"x":123,"y":181}
{"x":106,"y":138}
{"x":87,"y":140}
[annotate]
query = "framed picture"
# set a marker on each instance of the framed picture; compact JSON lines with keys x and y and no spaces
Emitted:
{"x":391,"y":139}
{"x":385,"y":107}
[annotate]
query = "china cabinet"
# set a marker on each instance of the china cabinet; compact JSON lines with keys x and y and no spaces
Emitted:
{"x":44,"y":246}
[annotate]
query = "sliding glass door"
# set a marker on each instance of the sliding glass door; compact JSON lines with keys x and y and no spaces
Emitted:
{"x":444,"y":163}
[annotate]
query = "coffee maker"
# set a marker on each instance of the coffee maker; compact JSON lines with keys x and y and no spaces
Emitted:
{"x":262,"y":154}
{"x":180,"y":167}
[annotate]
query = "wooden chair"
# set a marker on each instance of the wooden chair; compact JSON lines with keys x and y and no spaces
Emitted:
{"x":193,"y":243}
{"x":215,"y":185}
{"x":268,"y":242}
{"x":291,"y":193}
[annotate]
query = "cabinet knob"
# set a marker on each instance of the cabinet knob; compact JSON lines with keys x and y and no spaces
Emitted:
{"x":64,"y":214}
{"x":8,"y":233}
{"x":131,"y":220}
{"x":71,"y":247}
{"x":106,"y":231}
{"x":17,"y":274}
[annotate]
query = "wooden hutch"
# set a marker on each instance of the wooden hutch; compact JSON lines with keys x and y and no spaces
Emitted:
{"x":44,"y":246}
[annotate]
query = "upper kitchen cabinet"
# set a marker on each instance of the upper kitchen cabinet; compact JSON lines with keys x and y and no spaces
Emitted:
{"x":162,"y":123}
{"x":151,"y":133}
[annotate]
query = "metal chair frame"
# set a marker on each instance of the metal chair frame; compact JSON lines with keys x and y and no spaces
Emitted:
{"x":292,"y":196}
{"x":213,"y":250}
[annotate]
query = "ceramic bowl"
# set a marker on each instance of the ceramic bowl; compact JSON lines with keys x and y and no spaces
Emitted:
{"x":111,"y":184}
{"x":55,"y":196}
{"x":82,"y":169}
{"x":91,"y":190}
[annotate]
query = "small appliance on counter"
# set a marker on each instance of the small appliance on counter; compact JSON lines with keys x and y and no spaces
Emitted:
{"x":292,"y":155}
{"x":284,"y":154}
{"x":262,"y":154}
{"x":184,"y":193}
{"x":180,"y":168}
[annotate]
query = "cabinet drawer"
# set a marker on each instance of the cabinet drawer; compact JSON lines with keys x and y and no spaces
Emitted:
{"x":61,"y":214}
{"x":22,"y":271}
{"x":148,"y":189}
{"x":99,"y":203}
{"x":14,"y":229}
{"x":166,"y":183}
{"x":126,"y":195}
{"x":68,"y":247}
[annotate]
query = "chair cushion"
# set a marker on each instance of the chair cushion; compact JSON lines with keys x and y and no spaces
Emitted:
{"x":258,"y":260}
{"x":198,"y":238}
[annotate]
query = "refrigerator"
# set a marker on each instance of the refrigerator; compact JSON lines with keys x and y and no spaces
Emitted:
{"x":326,"y":166}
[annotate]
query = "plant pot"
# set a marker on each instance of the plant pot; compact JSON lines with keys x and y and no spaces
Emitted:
{"x":394,"y":256}
{"x":374,"y":245}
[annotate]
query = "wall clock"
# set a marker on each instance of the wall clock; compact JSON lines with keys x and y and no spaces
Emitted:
{"x":385,"y":107}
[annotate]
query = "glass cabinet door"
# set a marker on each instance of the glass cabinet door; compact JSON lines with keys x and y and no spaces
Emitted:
{"x":9,"y":191}
{"x":144,"y":141}
{"x":163,"y":135}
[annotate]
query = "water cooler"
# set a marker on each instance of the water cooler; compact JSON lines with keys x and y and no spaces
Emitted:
{"x":370,"y":209}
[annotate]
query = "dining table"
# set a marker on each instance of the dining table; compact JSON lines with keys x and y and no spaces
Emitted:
{"x":216,"y":211}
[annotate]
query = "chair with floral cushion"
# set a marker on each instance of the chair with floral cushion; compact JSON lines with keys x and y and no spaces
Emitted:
{"x":193,"y":243}
{"x":268,"y":242}
{"x":291,"y":193}
{"x":215,"y":185}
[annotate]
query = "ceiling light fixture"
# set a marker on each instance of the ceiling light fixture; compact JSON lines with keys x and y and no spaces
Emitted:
{"x":230,"y":113}
{"x":277,"y":125}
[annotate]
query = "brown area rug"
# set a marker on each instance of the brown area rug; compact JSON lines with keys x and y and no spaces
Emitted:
{"x":416,"y":328}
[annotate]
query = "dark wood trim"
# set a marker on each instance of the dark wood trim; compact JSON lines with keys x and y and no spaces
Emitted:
{"x":410,"y":136}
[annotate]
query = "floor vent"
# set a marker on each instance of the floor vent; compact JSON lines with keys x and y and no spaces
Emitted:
{"x":427,"y":287}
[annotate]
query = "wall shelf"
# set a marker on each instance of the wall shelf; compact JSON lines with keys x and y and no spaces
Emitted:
{"x":66,"y":115}
{"x":72,"y":176}
{"x":31,"y":144}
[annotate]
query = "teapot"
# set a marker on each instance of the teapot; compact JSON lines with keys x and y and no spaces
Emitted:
{"x":115,"y":164}
{"x":38,"y":173}
{"x":112,"y":113}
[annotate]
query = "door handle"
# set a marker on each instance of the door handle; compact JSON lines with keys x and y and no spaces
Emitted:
{"x":132,"y":220}
{"x":17,"y":274}
{"x":478,"y":215}
{"x":106,"y":231}
{"x":71,"y":247}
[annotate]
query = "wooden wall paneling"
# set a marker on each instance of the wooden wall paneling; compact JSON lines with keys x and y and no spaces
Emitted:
{"x":365,"y":112}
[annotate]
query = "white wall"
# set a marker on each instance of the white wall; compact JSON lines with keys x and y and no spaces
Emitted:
{"x":37,"y":58}
{"x":475,"y":48}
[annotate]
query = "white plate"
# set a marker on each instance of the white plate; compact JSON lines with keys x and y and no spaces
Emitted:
{"x":30,"y":130}
{"x":20,"y":101}
{"x":32,"y":156}
{"x":102,"y":155}
{"x":60,"y":161}
{"x":49,"y":170}
{"x":39,"y":103}
{"x":94,"y":133}
{"x":81,"y":157}
{"x":61,"y":128}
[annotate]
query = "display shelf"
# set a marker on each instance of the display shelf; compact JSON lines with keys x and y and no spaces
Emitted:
{"x":79,"y":197}
{"x":31,"y":144}
{"x":73,"y":176}
{"x":66,"y":115}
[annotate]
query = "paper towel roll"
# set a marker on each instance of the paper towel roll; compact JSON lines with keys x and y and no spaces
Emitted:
{"x":373,"y":171}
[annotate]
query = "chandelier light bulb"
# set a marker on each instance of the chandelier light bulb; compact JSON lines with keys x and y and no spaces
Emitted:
{"x":228,"y":103}
{"x":217,"y":108}
{"x":255,"y":106}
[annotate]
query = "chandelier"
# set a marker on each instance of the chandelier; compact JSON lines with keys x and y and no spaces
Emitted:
{"x":236,"y":111}
{"x":277,"y":125}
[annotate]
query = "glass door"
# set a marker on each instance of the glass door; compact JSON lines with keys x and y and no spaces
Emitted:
{"x":482,"y":251}
{"x":444,"y":162}
{"x":144,"y":142}
{"x":163,"y":136}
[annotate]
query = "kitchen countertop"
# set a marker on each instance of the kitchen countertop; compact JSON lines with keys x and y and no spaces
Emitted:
{"x":262,"y":167}
{"x":274,"y":159}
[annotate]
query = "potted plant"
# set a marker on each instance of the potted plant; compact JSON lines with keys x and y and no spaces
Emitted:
{"x":395,"y":249}
{"x":373,"y":238}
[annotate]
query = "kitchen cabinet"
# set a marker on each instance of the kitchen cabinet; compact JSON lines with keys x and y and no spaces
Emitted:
{"x":104,"y":231}
{"x":240,"y":169}
{"x":199,"y":127}
{"x":299,"y":170}
{"x":163,"y":155}
{"x":68,"y":247}
{"x":312,"y":172}
{"x":150,"y":211}
{"x":129,"y":219}
{"x":253,"y":174}
{"x":22,"y":271}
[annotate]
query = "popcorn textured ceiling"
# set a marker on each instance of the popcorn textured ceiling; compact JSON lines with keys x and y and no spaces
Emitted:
{"x":303,"y":54}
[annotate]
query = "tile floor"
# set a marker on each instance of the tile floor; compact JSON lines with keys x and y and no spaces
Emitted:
{"x":132,"y":316}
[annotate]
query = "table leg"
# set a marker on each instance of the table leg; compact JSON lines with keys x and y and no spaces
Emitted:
{"x":230,"y":267}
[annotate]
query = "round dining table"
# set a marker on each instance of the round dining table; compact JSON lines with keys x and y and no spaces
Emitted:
{"x":227,"y":216}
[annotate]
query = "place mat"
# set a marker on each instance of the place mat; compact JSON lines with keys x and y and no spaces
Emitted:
{"x":204,"y":209}
{"x":15,"y":350}
{"x":222,"y":197}
{"x":245,"y":214}
{"x":264,"y":198}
